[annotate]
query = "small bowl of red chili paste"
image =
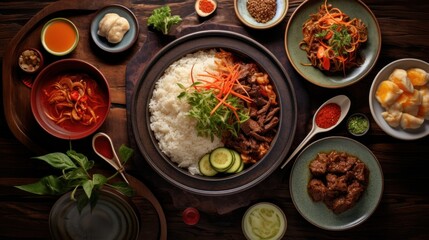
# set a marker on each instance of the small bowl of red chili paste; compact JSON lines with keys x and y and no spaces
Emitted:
{"x":204,"y":8}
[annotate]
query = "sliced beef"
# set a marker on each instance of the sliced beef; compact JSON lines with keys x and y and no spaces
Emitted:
{"x":271,"y":125}
{"x":250,"y":126}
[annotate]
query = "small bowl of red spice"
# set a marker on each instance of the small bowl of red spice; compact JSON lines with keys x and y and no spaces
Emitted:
{"x":205,"y":8}
{"x":261,"y":14}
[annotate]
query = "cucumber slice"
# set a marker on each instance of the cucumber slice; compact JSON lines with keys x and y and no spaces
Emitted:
{"x":205,"y":167}
{"x":237,"y":162}
{"x":240,"y":168}
{"x":221,"y":159}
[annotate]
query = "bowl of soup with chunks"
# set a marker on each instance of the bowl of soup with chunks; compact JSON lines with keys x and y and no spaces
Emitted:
{"x":70,"y":99}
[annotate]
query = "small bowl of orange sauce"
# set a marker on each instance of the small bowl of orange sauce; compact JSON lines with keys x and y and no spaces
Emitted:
{"x":59,"y":36}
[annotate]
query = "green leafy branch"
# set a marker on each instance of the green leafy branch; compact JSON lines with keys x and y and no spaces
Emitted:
{"x":75,"y":168}
{"x":162,"y":20}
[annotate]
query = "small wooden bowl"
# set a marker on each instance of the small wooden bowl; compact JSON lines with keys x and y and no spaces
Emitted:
{"x":30,"y":60}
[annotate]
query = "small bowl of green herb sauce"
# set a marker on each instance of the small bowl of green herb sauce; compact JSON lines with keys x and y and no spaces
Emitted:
{"x":358,"y":124}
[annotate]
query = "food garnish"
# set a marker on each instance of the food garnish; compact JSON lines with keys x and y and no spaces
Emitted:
{"x":162,"y":20}
{"x":332,"y":40}
{"x":73,"y":100}
{"x":220,"y":160}
{"x":358,"y":124}
{"x":76,"y":173}
{"x":215,"y":103}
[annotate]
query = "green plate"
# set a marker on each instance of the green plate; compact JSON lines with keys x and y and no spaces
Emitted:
{"x":316,"y":212}
{"x":370,"y":51}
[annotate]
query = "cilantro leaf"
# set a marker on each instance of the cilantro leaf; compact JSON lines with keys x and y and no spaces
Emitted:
{"x":162,"y":20}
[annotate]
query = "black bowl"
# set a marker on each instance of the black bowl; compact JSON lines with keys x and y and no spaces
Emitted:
{"x":180,"y":177}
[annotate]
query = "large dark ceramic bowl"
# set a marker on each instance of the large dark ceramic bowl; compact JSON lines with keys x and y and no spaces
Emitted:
{"x":245,"y":48}
{"x":50,"y":74}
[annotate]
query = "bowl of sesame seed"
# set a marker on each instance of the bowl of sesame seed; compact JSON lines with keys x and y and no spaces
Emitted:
{"x":261,"y":14}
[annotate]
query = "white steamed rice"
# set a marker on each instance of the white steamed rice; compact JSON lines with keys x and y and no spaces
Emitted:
{"x":173,"y":127}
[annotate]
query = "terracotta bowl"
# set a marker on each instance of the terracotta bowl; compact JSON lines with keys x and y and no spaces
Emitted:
{"x":52,"y":109}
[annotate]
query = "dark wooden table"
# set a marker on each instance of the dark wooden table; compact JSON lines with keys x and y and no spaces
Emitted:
{"x":403,"y":212}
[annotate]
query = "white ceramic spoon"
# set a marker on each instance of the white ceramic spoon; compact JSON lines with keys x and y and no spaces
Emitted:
{"x":344,"y":103}
{"x":108,"y":148}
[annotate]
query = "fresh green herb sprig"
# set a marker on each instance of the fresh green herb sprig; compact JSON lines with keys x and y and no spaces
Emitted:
{"x":221,"y":121}
{"x":162,"y":20}
{"x":75,"y":168}
{"x":340,"y":39}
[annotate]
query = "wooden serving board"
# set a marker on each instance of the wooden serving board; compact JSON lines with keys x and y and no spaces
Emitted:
{"x":16,"y":96}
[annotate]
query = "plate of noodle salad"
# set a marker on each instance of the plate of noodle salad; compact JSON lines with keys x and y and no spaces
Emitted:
{"x":333,"y":43}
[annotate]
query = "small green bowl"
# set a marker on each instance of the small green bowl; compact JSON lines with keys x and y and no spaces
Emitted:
{"x":60,"y":36}
{"x":358,"y":124}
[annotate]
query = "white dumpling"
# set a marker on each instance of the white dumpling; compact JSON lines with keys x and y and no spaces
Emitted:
{"x":418,"y":76}
{"x":387,"y":93}
{"x":409,"y":121}
{"x":118,"y":30}
{"x":410,"y":102}
{"x":400,"y":78}
{"x":113,"y":27}
{"x":106,"y":23}
{"x":392,"y":117}
{"x":424,"y":107}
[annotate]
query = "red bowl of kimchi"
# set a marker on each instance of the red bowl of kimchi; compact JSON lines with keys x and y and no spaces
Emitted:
{"x":70,"y":99}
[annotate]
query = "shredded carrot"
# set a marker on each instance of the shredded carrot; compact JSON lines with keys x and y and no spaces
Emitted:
{"x":223,"y":82}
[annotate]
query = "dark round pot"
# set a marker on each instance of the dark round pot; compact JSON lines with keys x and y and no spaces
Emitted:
{"x":226,"y":184}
